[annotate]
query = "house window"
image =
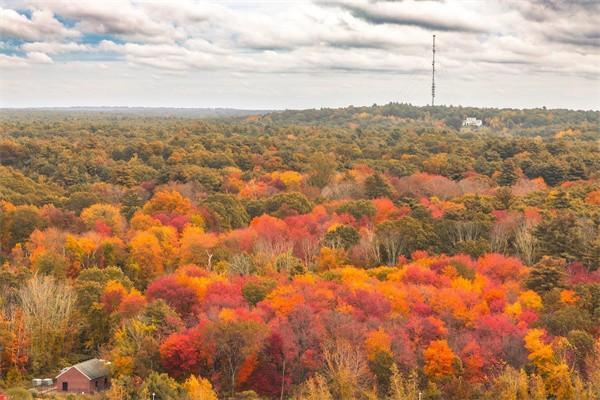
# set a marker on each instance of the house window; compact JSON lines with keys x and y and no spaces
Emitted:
{"x":65,"y":386}
{"x":96,"y":383}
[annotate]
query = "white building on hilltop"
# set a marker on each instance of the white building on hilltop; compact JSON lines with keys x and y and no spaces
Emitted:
{"x":471,"y":121}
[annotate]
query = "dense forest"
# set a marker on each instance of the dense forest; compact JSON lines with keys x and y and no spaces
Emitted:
{"x":381,"y":252}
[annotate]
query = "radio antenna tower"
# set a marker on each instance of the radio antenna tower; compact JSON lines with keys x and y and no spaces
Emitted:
{"x":433,"y":75}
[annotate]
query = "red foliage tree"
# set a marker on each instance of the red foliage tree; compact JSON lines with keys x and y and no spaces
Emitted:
{"x":500,"y":267}
{"x":180,"y":297}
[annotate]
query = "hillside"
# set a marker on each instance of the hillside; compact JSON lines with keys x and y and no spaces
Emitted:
{"x":357,"y":253}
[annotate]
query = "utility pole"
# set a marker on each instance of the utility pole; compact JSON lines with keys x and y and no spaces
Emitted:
{"x":433,"y":75}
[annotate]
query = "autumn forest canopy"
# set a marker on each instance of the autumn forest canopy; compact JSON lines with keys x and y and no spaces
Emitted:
{"x":382,"y":252}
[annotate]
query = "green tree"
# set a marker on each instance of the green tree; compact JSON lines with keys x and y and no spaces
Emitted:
{"x":560,"y":236}
{"x":591,"y":254}
{"x":21,"y":222}
{"x":552,"y":171}
{"x":135,"y":349}
{"x":287,"y":262}
{"x":546,"y":275}
{"x":504,"y":198}
{"x":78,"y":201}
{"x":228,"y":212}
{"x":402,"y":237}
{"x":376,"y":186}
{"x":256,"y":291}
{"x":582,"y":344}
{"x":358,"y":209}
{"x":559,"y":199}
{"x":322,"y":169}
{"x":235,"y":341}
{"x":285,"y":204}
{"x":508,"y":174}
{"x":342,"y":236}
{"x":19,"y":394}
{"x":381,"y":365}
{"x":162,"y":385}
{"x":89,"y":286}
{"x":133,"y":200}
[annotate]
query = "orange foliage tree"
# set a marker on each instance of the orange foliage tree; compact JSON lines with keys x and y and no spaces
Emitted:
{"x":439,"y":359}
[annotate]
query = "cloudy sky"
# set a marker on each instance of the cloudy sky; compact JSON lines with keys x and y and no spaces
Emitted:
{"x":299,"y":54}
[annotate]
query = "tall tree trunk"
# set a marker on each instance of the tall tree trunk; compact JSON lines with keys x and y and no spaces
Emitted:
{"x":282,"y":380}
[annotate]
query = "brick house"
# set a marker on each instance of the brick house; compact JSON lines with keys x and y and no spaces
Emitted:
{"x":86,"y":377}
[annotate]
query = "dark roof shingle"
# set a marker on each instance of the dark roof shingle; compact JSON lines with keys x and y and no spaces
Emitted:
{"x":93,"y":368}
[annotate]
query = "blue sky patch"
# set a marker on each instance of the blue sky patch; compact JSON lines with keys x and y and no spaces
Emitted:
{"x":87,"y":56}
{"x":25,"y":12}
{"x":11,"y":47}
{"x":95,"y":38}
{"x":66,"y":21}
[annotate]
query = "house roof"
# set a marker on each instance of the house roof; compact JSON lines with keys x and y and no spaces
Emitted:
{"x":92,"y":369}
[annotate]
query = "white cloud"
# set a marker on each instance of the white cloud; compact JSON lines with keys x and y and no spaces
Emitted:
{"x":185,"y":11}
{"x":441,"y":16}
{"x":110,"y":17}
{"x":162,"y":55}
{"x":143,"y":50}
{"x":7,"y":61}
{"x":37,"y":57}
{"x":42,"y":25}
{"x":55,"y":47}
{"x":346,"y":41}
{"x":32,"y":58}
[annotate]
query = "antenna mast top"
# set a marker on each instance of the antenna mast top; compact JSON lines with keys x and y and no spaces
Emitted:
{"x":433,"y":75}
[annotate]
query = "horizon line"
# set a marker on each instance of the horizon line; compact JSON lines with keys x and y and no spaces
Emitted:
{"x":71,"y":107}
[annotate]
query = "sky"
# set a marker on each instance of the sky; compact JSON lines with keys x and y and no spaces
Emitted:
{"x":299,"y":54}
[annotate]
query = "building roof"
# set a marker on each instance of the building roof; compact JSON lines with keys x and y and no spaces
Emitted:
{"x":92,"y":369}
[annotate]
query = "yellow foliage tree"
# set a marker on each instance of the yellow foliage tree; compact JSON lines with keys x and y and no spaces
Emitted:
{"x":315,"y":388}
{"x":540,"y":354}
{"x":378,"y":341}
{"x":403,"y":387}
{"x":168,"y":241}
{"x":198,"y":388}
{"x":196,"y":246}
{"x":106,"y":213}
{"x":291,"y":179}
{"x":556,"y":374}
{"x":80,"y":250}
{"x":329,"y":258}
{"x":530,"y":299}
{"x":146,"y":252}
{"x":116,"y":392}
{"x":168,"y":202}
{"x":559,"y":382}
{"x":141,"y":221}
